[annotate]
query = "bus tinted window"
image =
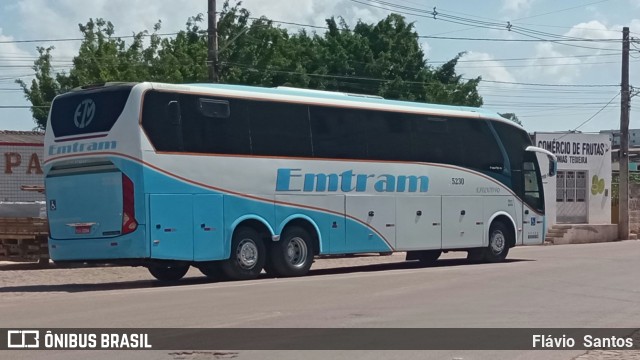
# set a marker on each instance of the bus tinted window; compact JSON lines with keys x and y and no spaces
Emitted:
{"x":430,"y":140}
{"x":388,"y":136}
{"x":338,"y":133}
{"x":456,"y":141}
{"x":279,"y":129}
{"x":479,"y":147}
{"x":214,"y":125}
{"x":206,"y":124}
{"x":163,"y":133}
{"x":514,"y":140}
{"x":88,"y":111}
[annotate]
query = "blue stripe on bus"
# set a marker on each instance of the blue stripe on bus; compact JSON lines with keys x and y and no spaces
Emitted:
{"x":137,"y":245}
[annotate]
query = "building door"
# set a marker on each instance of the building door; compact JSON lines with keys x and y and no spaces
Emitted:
{"x":571,"y":197}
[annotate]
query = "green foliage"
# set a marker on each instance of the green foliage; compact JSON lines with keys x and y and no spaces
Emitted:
{"x":512,"y":117}
{"x":378,"y":59}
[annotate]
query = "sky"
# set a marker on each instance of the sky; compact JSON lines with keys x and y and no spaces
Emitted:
{"x":531,"y":69}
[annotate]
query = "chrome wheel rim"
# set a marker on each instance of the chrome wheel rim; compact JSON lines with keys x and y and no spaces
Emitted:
{"x":247,"y":254}
{"x":297,"y":252}
{"x":497,"y":242}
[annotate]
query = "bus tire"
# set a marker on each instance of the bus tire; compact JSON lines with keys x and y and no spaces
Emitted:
{"x":292,"y":255}
{"x":498,"y":247}
{"x":248,"y":255}
{"x":212,"y":270}
{"x":168,"y":272}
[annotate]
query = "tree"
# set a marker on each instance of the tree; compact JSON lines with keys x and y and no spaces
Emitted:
{"x":512,"y":117}
{"x":378,"y":59}
{"x":43,"y":87}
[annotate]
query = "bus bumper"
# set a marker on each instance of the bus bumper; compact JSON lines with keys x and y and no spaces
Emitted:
{"x":121,"y":247}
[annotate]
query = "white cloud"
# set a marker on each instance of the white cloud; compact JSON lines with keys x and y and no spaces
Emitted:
{"x":315,"y":12}
{"x":426,"y":48}
{"x":14,"y":60}
{"x":60,"y":19}
{"x":517,"y":7}
{"x":489,"y":69}
{"x":558,"y":61}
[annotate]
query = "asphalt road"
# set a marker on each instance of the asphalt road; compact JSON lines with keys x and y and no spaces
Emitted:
{"x":588,"y":286}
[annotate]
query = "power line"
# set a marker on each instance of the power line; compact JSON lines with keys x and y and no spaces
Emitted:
{"x":80,"y":39}
{"x":561,"y":10}
{"x":20,"y":107}
{"x":593,"y":116}
{"x":550,"y":85}
{"x":519,"y":40}
{"x":442,"y":15}
{"x":252,"y":68}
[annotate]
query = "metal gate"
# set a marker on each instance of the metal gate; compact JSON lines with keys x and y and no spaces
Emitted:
{"x":571,"y":197}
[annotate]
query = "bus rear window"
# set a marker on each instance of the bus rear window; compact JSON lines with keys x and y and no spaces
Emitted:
{"x":88,"y":111}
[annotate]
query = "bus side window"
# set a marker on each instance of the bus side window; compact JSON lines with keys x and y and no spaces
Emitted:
{"x":211,"y":108}
{"x":279,"y":129}
{"x":158,"y":122}
{"x":214,"y":125}
{"x":338,"y":133}
{"x":388,"y":136}
{"x":431,"y":139}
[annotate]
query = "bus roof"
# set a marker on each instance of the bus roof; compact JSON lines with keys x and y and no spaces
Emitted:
{"x":340,"y":96}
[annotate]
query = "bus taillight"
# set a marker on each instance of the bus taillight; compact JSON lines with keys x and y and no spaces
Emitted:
{"x":129,"y":223}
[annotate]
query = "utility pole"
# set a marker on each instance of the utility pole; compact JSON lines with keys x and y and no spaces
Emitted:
{"x":623,"y":193}
{"x":212,"y":54}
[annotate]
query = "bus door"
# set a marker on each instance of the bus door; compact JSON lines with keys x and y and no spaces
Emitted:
{"x":533,"y":226}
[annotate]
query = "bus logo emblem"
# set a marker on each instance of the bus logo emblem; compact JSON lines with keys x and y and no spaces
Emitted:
{"x":84,"y":113}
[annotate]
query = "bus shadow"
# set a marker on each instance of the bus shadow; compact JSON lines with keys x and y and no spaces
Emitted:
{"x":197,"y":280}
{"x":402,"y":265}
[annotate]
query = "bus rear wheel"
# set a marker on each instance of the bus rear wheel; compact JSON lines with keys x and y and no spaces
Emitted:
{"x":248,"y":255}
{"x":292,"y":255}
{"x":168,"y":272}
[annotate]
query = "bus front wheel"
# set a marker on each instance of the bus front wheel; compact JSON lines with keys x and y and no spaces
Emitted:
{"x":292,"y":255}
{"x":168,"y":272}
{"x":498,"y":247}
{"x":247,"y":255}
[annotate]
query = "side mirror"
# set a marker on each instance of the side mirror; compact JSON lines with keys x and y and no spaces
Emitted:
{"x":173,"y":109}
{"x":553,"y":166}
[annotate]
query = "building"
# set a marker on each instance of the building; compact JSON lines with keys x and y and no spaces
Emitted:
{"x":21,"y":155}
{"x":580,"y":193}
{"x":634,"y":137}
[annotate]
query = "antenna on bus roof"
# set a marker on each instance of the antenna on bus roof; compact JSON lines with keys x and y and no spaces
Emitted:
{"x":329,"y":92}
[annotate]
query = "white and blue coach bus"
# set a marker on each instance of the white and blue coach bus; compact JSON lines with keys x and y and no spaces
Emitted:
{"x":235,"y":179}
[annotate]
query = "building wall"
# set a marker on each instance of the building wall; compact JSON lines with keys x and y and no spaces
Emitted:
{"x":21,"y":155}
{"x":634,"y":137}
{"x":580,"y":152}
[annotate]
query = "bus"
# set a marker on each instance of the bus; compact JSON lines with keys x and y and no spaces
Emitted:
{"x":234,"y":180}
